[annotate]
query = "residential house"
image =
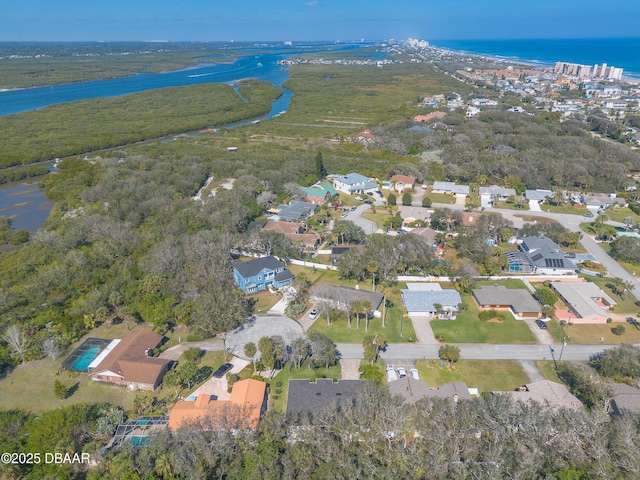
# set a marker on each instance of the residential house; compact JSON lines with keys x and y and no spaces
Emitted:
{"x":540,"y":255}
{"x":354,"y":183}
{"x":366,"y":137}
{"x":431,"y":117}
{"x":241,"y":411}
{"x":412,"y":390}
{"x":545,"y":392}
{"x":319,"y":194}
{"x":587,"y":302}
{"x":294,"y":212}
{"x":538,"y":196}
{"x":626,"y":399}
{"x":472,"y":111}
{"x":600,"y":201}
{"x":518,"y":301}
{"x":305,"y":396}
{"x":295,"y":232}
{"x":420,"y":299}
{"x":128,"y":362}
{"x":400,"y":183}
{"x":494,"y":192}
{"x":260,"y":273}
{"x":338,"y":251}
{"x":338,"y":295}
{"x":450,"y":188}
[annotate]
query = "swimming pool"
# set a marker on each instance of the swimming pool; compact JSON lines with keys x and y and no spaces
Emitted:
{"x":81,"y":357}
{"x":88,"y":356}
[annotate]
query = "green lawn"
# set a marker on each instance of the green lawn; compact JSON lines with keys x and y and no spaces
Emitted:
{"x":591,"y":334}
{"x":30,"y":386}
{"x":564,"y":209}
{"x":623,"y":305}
{"x":441,"y":198}
{"x":486,"y":375}
{"x":548,"y":370}
{"x":264,"y":301}
{"x":619,"y":214}
{"x":278,"y":401}
{"x":523,"y":207}
{"x":467,"y":328}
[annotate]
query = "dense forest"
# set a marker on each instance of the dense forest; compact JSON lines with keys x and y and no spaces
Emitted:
{"x":376,"y":436}
{"x":85,"y":126}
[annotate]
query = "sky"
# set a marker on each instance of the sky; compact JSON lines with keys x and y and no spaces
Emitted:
{"x":297,"y":20}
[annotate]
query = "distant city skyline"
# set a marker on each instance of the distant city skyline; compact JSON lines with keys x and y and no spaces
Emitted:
{"x":298,"y":20}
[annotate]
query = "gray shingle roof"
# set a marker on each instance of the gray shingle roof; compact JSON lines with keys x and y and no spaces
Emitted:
{"x":307,"y":396}
{"x":255,"y":266}
{"x":423,"y":301}
{"x":519,"y":299}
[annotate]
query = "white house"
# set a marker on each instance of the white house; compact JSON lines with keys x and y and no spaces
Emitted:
{"x":354,"y":183}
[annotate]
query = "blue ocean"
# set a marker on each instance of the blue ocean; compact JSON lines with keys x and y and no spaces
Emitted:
{"x":619,"y":52}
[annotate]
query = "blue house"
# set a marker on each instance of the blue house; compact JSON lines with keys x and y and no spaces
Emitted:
{"x":256,"y":275}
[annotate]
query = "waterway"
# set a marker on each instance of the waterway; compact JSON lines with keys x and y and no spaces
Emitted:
{"x":25,"y":204}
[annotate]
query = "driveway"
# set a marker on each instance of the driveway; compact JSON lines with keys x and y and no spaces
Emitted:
{"x":174,"y":353}
{"x":367,"y":225}
{"x":543,"y":337}
{"x":422,"y":327}
{"x":218,"y":386}
{"x":268,"y":325}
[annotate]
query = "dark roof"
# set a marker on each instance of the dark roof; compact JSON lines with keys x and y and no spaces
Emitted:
{"x":284,"y":276}
{"x":255,"y":266}
{"x":330,"y":292}
{"x":307,"y":396}
{"x":519,"y":299}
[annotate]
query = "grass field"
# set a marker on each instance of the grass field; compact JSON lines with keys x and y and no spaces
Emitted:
{"x":548,"y":370}
{"x":467,"y":328}
{"x":30,"y":387}
{"x":591,"y":334}
{"x":441,"y":198}
{"x":485,"y":375}
{"x":278,"y":401}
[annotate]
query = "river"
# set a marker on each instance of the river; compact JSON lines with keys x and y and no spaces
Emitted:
{"x":25,"y":204}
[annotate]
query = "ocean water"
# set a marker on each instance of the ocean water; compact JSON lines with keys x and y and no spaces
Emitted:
{"x":619,"y":52}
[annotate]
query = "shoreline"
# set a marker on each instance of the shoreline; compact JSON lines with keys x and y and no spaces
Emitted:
{"x":632,"y":77}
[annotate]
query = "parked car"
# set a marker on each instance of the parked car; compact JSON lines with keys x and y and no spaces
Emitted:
{"x":219,"y":373}
{"x":541,"y":324}
{"x":588,"y":215}
{"x":391,"y":373}
{"x":313,"y":313}
{"x":344,"y":215}
{"x":368,"y":202}
{"x":402,"y":372}
{"x":353,"y":209}
{"x":414,"y":374}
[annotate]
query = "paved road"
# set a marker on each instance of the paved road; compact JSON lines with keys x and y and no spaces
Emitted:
{"x":480,"y":351}
{"x":356,"y":217}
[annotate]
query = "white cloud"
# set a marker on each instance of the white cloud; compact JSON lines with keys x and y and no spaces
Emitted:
{"x":312,"y":4}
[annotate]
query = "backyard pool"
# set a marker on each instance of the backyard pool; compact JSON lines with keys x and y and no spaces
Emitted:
{"x":86,"y":353}
{"x":81,"y":364}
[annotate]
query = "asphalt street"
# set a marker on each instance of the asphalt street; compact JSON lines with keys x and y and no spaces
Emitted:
{"x":480,"y":351}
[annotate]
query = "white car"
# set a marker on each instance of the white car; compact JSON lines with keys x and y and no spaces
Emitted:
{"x":402,"y":372}
{"x":391,"y":373}
{"x":414,"y":374}
{"x":313,"y":313}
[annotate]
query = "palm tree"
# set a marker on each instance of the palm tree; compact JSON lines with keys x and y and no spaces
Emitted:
{"x":250,"y":351}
